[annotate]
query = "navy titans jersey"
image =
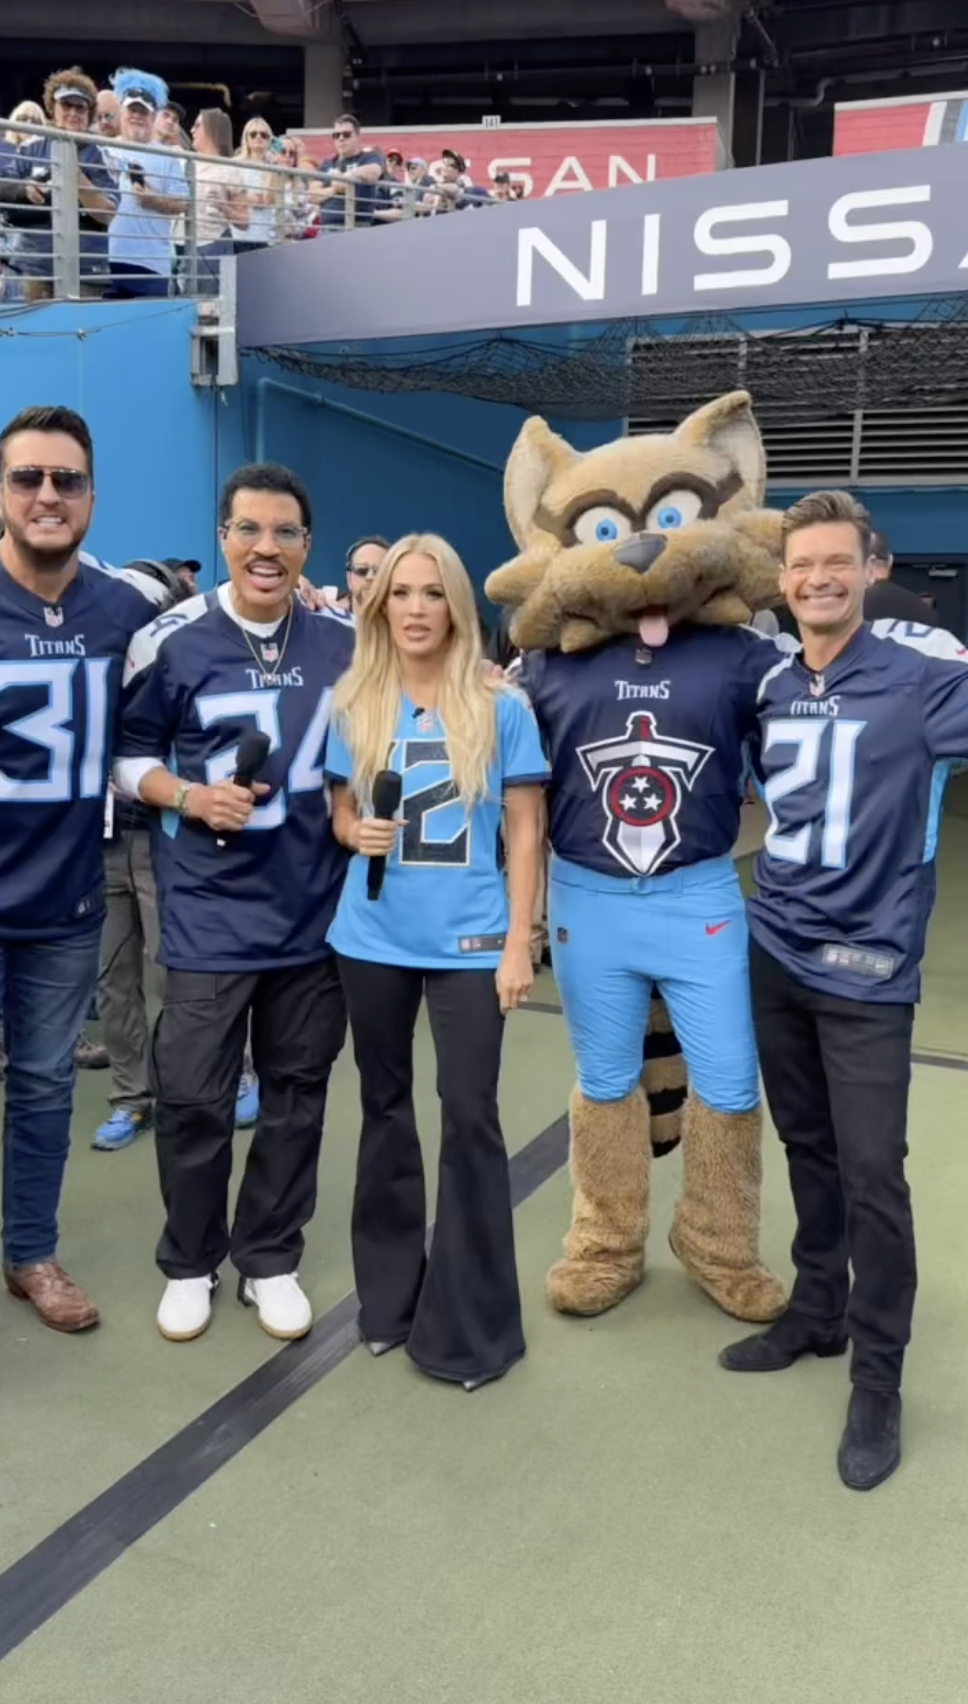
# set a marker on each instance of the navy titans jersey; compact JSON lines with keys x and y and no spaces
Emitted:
{"x":192,"y":689}
{"x":854,"y":764}
{"x":60,"y":677}
{"x":647,"y":747}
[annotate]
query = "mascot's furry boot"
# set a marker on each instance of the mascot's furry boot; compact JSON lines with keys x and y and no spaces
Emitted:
{"x":716,"y":1230}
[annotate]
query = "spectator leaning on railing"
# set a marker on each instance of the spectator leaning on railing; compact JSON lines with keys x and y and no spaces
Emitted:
{"x":153,"y":190}
{"x":351,"y":163}
{"x":70,"y":100}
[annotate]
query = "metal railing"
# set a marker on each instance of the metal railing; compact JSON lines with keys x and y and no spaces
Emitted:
{"x":84,"y":217}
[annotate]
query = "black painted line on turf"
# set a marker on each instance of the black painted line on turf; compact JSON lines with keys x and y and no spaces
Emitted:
{"x":942,"y":1061}
{"x":39,"y":1584}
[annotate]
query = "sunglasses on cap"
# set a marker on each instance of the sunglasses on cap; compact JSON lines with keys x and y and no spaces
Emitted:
{"x":67,"y":481}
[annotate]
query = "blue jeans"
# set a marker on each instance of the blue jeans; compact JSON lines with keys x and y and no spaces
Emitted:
{"x":45,"y":991}
{"x":612,"y":938}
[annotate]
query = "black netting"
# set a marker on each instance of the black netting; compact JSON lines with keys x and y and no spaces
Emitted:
{"x":636,"y":367}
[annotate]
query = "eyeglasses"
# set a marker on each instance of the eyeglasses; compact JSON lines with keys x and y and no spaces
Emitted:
{"x":364,"y":573}
{"x":67,"y":481}
{"x":286,"y":536}
{"x":260,"y":135}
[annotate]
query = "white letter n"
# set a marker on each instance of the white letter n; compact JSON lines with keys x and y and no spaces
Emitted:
{"x":531,"y":241}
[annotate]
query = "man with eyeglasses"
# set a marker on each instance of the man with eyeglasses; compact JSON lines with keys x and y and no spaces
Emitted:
{"x":353,"y":164}
{"x":248,"y":876}
{"x":65,"y":626}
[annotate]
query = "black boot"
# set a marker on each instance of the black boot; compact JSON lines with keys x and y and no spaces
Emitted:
{"x":782,"y":1343}
{"x":870,"y":1448}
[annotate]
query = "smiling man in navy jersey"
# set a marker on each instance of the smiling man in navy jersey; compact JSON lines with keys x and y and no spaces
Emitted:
{"x":64,"y":628}
{"x":248,"y":878}
{"x":856,"y":737}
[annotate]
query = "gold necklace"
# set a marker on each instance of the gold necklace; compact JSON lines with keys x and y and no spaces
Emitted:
{"x":275,"y":666}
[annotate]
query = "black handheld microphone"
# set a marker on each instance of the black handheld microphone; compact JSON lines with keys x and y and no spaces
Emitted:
{"x":253,"y":751}
{"x":387,"y":793}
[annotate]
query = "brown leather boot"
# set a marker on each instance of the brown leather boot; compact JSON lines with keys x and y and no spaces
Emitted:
{"x":60,"y":1302}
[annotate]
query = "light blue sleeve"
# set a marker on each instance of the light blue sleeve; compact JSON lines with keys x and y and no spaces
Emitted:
{"x":522,"y":758}
{"x":337,"y":762}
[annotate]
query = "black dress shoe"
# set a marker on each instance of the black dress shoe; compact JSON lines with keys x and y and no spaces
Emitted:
{"x":870,"y":1448}
{"x":782,"y":1343}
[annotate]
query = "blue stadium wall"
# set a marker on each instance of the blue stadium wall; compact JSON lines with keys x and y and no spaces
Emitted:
{"x":373,"y":463}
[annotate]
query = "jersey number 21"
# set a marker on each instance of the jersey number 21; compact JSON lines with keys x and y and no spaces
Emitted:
{"x":821,"y":746}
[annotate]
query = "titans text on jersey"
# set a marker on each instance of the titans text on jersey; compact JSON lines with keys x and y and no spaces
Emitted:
{"x":193,"y":688}
{"x":60,"y":677}
{"x":854,"y":764}
{"x":647,"y":747}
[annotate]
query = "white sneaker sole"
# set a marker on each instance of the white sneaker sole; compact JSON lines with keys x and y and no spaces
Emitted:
{"x":184,"y":1336}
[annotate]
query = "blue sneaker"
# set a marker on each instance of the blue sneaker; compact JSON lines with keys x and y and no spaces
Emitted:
{"x":120,"y":1130}
{"x":247,"y":1101}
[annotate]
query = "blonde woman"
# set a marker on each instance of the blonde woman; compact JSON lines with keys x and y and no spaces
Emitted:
{"x":264,"y":191}
{"x":445,"y":927}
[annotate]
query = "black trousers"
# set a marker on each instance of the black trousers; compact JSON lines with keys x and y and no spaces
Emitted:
{"x":298,"y":1020}
{"x":836,"y":1074}
{"x":458,"y":1309}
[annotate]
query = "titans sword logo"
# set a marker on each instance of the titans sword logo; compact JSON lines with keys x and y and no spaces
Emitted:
{"x":640,"y":780}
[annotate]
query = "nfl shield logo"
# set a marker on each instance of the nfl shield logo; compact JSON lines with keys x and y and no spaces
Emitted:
{"x":53,"y":615}
{"x":270,"y":653}
{"x":816,"y":686}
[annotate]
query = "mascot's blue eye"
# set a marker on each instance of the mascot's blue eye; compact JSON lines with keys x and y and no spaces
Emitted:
{"x":678,"y":508}
{"x":601,"y":524}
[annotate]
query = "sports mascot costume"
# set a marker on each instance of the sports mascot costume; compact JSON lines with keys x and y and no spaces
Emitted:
{"x":641,"y":565}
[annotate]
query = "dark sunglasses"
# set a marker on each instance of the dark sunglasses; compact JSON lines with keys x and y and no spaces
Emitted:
{"x":67,"y":481}
{"x":343,"y":135}
{"x":260,"y":136}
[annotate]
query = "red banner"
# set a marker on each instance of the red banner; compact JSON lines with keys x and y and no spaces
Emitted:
{"x":912,"y":121}
{"x":554,"y":159}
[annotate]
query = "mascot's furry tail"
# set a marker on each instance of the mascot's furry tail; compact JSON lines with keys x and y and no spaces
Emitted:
{"x":664,"y":1079}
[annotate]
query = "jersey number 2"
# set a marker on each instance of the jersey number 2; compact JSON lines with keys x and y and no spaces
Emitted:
{"x":809,"y":740}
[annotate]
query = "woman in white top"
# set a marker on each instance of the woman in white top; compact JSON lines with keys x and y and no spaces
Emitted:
{"x":264,"y":190}
{"x":221,"y":203}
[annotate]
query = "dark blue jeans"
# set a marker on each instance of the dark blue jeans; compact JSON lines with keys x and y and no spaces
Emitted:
{"x":45,"y":991}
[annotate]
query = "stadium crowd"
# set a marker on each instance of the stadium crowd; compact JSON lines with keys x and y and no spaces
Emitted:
{"x":160,"y":201}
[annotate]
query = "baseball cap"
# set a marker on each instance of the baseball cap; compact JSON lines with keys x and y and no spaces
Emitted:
{"x":455,"y":158}
{"x":139,"y":97}
{"x":417,"y":161}
{"x":394,"y":154}
{"x":178,"y":110}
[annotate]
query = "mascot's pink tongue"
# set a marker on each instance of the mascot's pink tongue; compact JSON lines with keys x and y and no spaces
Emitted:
{"x":653,"y":629}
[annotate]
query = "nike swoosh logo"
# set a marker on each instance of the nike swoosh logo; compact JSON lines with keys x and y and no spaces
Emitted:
{"x":714,"y":928}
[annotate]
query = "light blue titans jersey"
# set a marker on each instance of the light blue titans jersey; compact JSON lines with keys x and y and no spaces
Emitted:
{"x":854,"y":764}
{"x":443,"y":905}
{"x":193,"y":689}
{"x":60,"y":676}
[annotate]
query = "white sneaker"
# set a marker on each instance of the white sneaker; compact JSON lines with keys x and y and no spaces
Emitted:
{"x":186,"y":1308}
{"x":283,"y":1308}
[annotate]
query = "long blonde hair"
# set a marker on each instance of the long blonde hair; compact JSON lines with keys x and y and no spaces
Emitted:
{"x":368,"y":698}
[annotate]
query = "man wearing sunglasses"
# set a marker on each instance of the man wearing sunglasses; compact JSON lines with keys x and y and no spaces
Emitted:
{"x":354,"y":164}
{"x":64,"y":630}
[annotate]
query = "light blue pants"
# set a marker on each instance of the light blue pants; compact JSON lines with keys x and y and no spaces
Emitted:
{"x":612,"y":937}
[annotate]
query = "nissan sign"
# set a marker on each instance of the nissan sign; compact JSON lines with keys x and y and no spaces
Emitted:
{"x":812,"y":232}
{"x":556,"y":159}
